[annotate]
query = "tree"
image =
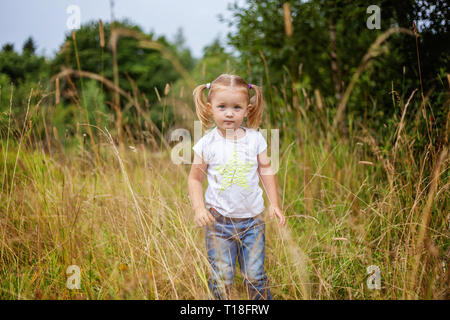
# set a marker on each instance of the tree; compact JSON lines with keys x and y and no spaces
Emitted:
{"x":329,"y":40}
{"x":147,"y":68}
{"x":216,"y":60}
{"x":21,"y":67}
{"x":29,"y":46}
{"x":8,"y":47}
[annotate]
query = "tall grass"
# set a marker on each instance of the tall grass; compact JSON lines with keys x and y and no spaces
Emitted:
{"x":124,"y":217}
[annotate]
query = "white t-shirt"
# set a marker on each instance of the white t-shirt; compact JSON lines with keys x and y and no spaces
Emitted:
{"x":233,"y":181}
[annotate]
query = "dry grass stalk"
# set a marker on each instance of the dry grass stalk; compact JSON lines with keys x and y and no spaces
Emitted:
{"x":57,"y":92}
{"x":101,"y":33}
{"x":426,"y":216}
{"x":166,"y":89}
{"x":86,"y":74}
{"x":289,"y":30}
{"x":401,"y":124}
{"x":371,"y":53}
{"x":319,"y":101}
{"x":55,"y":133}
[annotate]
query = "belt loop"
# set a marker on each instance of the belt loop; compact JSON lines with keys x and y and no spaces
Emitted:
{"x":214,"y":213}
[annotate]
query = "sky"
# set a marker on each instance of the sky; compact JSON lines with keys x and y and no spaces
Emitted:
{"x":46,"y":20}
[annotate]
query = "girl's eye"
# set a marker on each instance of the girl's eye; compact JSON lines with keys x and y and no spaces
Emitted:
{"x":221,"y":107}
{"x":237,"y":107}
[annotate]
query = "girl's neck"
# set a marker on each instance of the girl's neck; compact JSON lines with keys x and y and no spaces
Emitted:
{"x":236,"y":134}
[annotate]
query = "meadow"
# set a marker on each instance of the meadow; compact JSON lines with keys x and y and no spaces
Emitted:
{"x":112,"y":202}
{"x":123,"y":216}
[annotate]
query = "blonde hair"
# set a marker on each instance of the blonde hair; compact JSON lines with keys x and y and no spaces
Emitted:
{"x":233,"y":81}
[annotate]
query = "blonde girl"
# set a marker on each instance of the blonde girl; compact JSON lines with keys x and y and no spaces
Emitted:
{"x":234,"y":158}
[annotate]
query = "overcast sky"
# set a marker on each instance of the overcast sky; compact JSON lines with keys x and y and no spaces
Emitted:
{"x":46,"y":20}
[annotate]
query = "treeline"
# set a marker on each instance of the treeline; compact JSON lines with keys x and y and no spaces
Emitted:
{"x":140,"y":70}
{"x":304,"y":54}
{"x":321,"y":44}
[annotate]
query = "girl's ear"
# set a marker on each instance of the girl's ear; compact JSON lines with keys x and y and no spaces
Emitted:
{"x":249,"y":108}
{"x":209,"y":108}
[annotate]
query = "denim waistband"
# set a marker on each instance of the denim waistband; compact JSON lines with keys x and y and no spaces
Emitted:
{"x":222,"y":218}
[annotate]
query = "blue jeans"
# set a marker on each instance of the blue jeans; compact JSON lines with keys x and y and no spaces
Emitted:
{"x":244,"y":239}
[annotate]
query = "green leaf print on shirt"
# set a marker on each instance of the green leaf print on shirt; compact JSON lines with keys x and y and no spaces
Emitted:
{"x":234,"y":172}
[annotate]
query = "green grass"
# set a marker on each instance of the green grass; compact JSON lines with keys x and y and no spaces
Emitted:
{"x":130,"y":229}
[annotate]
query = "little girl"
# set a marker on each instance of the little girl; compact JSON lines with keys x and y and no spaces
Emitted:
{"x":233,"y":156}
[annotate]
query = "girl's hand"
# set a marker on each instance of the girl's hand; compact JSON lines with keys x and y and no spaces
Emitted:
{"x":203,"y":217}
{"x":277,"y":211}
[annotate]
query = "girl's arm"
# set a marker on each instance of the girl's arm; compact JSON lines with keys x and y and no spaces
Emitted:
{"x":269,"y":183}
{"x":196,"y":176}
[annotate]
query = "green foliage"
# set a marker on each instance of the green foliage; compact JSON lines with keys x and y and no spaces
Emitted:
{"x":260,"y":29}
{"x":29,"y":46}
{"x":216,"y":60}
{"x":146,"y":67}
{"x":25,"y":72}
{"x":22,"y":67}
{"x":264,"y":54}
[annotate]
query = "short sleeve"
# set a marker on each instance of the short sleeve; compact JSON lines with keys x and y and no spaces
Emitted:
{"x":261,"y":143}
{"x":199,"y":148}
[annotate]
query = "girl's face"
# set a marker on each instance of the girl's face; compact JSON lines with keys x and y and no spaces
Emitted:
{"x":229,"y":107}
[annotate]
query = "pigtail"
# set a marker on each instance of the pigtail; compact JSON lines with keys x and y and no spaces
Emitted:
{"x":255,"y":114}
{"x":200,"y":107}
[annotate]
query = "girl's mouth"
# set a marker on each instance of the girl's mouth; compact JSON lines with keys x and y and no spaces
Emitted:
{"x":228,"y":122}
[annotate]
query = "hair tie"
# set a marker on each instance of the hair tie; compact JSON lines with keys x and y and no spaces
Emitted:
{"x":249,"y":85}
{"x":208,"y":85}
